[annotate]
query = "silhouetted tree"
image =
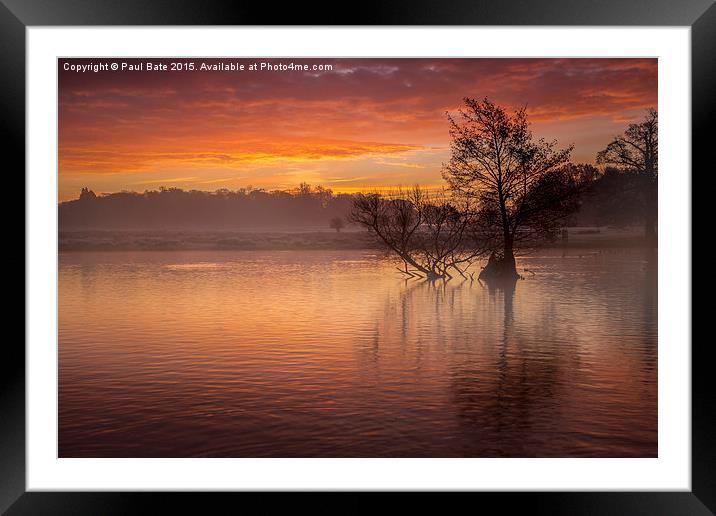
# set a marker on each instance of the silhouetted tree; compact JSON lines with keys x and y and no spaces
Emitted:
{"x":87,"y":194}
{"x":337,"y":224}
{"x":427,"y":231}
{"x":304,"y":189}
{"x":637,"y":152}
{"x":519,"y":187}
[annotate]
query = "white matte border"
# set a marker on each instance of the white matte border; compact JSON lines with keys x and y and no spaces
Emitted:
{"x":671,"y":471}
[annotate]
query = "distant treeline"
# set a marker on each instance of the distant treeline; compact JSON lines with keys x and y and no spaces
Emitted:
{"x":616,"y":198}
{"x":612,"y":200}
{"x":173,"y":208}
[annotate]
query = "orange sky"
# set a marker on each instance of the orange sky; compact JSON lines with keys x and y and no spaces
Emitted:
{"x":366,"y":123}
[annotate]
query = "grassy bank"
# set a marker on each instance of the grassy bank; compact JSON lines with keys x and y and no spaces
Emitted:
{"x":311,"y":240}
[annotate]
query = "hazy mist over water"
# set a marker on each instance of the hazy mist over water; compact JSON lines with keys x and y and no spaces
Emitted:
{"x":333,"y":353}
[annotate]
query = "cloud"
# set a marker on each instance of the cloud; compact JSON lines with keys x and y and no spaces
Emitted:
{"x":137,"y":157}
{"x":168,"y":180}
{"x":385,"y":113}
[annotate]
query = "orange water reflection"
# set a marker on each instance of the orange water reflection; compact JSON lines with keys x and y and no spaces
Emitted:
{"x":333,"y":354}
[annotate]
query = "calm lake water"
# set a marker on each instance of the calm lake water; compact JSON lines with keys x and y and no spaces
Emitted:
{"x":305,"y":354}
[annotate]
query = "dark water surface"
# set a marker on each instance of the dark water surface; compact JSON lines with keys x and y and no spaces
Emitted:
{"x":305,"y":354}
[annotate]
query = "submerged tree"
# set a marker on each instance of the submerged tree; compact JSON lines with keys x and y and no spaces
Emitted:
{"x":637,"y":152}
{"x":520,"y":188}
{"x":433,"y":236}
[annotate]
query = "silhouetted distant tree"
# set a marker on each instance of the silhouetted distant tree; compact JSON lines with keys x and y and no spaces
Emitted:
{"x":521,"y":188}
{"x":87,"y":194}
{"x":324,"y":195}
{"x":637,"y":152}
{"x":337,"y":224}
{"x":304,"y":189}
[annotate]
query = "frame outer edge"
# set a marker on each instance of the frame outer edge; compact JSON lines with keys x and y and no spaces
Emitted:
{"x":12,"y":127}
{"x":703,"y":397}
{"x":12,"y":141}
{"x":371,"y":12}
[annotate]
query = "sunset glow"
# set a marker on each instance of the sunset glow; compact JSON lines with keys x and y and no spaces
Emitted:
{"x":365,"y":123}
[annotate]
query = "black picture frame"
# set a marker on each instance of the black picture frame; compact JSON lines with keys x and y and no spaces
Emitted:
{"x":17,"y":15}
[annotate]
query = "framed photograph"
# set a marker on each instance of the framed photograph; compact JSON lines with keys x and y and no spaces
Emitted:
{"x":437,"y":249}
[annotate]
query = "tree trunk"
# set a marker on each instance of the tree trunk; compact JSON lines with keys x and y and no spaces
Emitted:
{"x":505,"y":268}
{"x":501,"y":268}
{"x":509,"y":267}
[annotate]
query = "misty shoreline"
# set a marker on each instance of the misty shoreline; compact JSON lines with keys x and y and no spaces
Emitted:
{"x":186,"y":240}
